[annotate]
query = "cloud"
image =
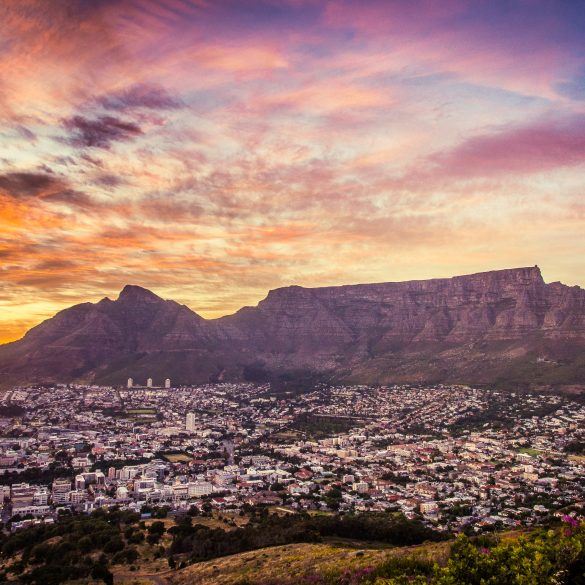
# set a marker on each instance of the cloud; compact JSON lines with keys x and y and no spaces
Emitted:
{"x":140,"y":95}
{"x":534,"y":147}
{"x":25,"y":185}
{"x":42,"y":186}
{"x":100,"y":132}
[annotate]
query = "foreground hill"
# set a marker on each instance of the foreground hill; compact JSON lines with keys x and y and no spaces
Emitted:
{"x":306,"y":561}
{"x":114,"y":546}
{"x":505,"y":326}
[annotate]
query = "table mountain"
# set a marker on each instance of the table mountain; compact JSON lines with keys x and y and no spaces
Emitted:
{"x":502,"y":327}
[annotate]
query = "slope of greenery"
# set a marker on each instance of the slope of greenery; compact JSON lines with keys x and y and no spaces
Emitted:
{"x":194,"y":543}
{"x":268,"y":549}
{"x":541,"y":557}
{"x":76,"y":547}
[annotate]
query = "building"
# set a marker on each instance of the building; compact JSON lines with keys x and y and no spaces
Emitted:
{"x":144,"y":485}
{"x":429,"y":508}
{"x":191,"y":422}
{"x":198,"y":489}
{"x":81,"y":462}
{"x":60,"y":491}
{"x":360,"y":487}
{"x":130,"y":382}
{"x":168,"y":383}
{"x":77,"y":496}
{"x":29,"y":509}
{"x":41,"y":497}
{"x":122,"y":492}
{"x":149,"y":383}
{"x":22,"y":494}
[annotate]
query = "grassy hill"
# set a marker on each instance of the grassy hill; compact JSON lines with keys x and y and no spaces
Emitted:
{"x":302,"y":561}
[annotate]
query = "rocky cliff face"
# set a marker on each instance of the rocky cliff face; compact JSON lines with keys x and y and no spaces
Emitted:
{"x":501,"y":326}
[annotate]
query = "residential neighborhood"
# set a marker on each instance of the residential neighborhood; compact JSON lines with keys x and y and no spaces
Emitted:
{"x":461,"y":459}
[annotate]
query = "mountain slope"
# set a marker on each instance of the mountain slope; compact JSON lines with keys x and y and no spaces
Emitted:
{"x":500,"y":326}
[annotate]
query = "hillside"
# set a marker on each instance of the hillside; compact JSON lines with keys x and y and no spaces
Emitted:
{"x":505,"y":326}
{"x":115,"y":546}
{"x":303,"y":560}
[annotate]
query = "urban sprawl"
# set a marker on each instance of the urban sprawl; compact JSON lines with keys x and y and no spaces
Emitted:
{"x":459,"y":458}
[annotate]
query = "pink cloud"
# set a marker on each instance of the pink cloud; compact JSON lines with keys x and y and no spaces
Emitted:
{"x":534,"y":147}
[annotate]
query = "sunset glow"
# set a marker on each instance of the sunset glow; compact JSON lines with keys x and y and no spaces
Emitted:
{"x":213,"y":150}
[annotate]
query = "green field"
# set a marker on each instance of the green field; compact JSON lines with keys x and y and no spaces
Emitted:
{"x":530,"y":451}
{"x":178,"y":457}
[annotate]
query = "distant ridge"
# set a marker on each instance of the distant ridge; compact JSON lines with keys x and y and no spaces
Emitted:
{"x":505,"y":327}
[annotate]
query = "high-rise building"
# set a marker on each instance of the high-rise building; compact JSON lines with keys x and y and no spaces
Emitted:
{"x":191,"y":422}
{"x":79,"y":482}
{"x":130,"y":382}
{"x":168,"y":383}
{"x":149,"y":383}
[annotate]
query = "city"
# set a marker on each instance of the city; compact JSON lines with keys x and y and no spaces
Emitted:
{"x":460,"y":459}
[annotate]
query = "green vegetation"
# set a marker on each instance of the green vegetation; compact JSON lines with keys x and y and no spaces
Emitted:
{"x":530,"y":451}
{"x":576,"y":447}
{"x":75,"y":547}
{"x":319,"y":427}
{"x":198,"y":542}
{"x":542,"y":557}
{"x":36,"y":476}
{"x":107,"y":544}
{"x":11,"y":410}
{"x":105,"y":464}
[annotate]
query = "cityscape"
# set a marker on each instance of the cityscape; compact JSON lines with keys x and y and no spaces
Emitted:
{"x":455,"y":457}
{"x":292,"y":292}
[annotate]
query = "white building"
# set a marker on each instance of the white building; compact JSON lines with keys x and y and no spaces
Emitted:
{"x":41,"y":497}
{"x":200,"y":488}
{"x":60,"y":491}
{"x":149,"y":383}
{"x":130,"y":382}
{"x":360,"y":487}
{"x":77,"y":496}
{"x":27,"y":509}
{"x":144,"y":485}
{"x":191,"y":422}
{"x":168,"y":383}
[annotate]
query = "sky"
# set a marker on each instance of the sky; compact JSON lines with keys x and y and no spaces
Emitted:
{"x":211,"y":150}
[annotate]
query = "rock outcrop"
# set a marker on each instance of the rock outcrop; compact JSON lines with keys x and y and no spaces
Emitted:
{"x":505,"y":326}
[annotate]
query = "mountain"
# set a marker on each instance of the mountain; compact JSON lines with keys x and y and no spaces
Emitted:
{"x":506,"y":327}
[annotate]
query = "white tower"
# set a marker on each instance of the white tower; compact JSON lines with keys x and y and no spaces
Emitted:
{"x":191,"y":422}
{"x":149,"y":383}
{"x":130,"y":382}
{"x":168,"y":383}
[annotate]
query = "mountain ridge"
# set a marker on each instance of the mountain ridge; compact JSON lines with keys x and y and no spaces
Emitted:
{"x":485,"y":327}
